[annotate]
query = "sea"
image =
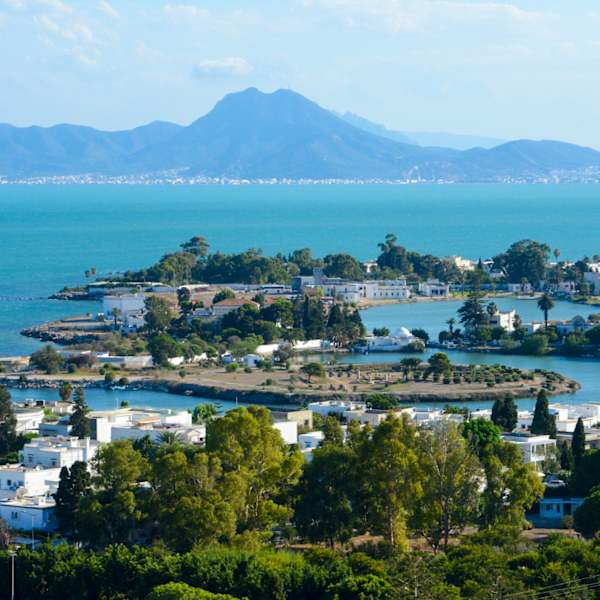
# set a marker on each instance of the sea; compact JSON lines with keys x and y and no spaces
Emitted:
{"x":51,"y":234}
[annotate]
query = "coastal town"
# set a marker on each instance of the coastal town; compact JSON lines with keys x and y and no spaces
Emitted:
{"x":287,"y":345}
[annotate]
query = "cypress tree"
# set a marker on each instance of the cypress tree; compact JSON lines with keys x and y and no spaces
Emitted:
{"x":566,"y":457}
{"x":578,"y":442}
{"x":511,"y":414}
{"x":73,"y":485}
{"x":504,"y":413}
{"x":80,"y":423}
{"x":543,"y":422}
{"x":8,"y":422}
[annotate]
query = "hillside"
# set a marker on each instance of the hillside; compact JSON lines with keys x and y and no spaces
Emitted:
{"x":253,"y":135}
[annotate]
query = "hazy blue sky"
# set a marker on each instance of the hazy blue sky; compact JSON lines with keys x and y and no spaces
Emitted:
{"x":506,"y":69}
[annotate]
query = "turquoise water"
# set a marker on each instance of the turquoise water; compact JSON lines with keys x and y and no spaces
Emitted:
{"x":49,"y":235}
{"x":100,"y":399}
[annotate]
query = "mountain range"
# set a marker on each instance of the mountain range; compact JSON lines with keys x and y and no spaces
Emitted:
{"x":254,"y":135}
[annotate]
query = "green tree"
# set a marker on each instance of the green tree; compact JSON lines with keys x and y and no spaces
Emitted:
{"x":344,"y":266}
{"x":190,"y":500}
{"x":323,"y":509}
{"x":567,"y":462}
{"x":472,"y":313}
{"x":587,"y":516}
{"x":545,"y":304}
{"x":512,"y":487}
{"x":162,"y":347}
{"x":527,"y":259}
{"x":439,"y":363}
{"x":47,"y":359}
{"x":223,"y":294}
{"x":313,"y":369}
{"x":543,"y":422}
{"x":198,"y":246}
{"x":8,"y":423}
{"x":505,"y":413}
{"x":332,"y":431}
{"x":390,"y":483}
{"x":65,"y":390}
{"x":110,"y":513}
{"x":204,"y":413}
{"x":183,"y":591}
{"x":74,"y":484}
{"x":365,"y":587}
{"x":482,"y":435}
{"x":578,"y":442}
{"x":158,"y":314}
{"x":79,"y":421}
{"x":450,"y":478}
{"x":254,"y":456}
{"x":535,"y":345}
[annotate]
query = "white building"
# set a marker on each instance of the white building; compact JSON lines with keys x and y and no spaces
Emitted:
{"x":520,"y":288}
{"x":335,"y":407}
{"x":462,"y":264}
{"x":288,"y":431}
{"x":432,"y":288}
{"x":17,"y":480}
{"x":310,"y":440}
{"x":29,"y":513}
{"x":28,"y":418}
{"x":51,"y":452}
{"x":534,"y":448}
{"x":123,"y":304}
{"x":506,"y":320}
{"x":133,"y":423}
{"x":394,"y":342}
{"x":396,"y":289}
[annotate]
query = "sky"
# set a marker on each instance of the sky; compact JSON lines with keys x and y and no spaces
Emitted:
{"x":519,"y":69}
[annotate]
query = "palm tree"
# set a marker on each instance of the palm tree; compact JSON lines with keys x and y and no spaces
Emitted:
{"x":115,"y":312}
{"x":491,"y":309}
{"x":451,"y":322}
{"x":545,"y":304}
{"x":169,"y":438}
{"x":556,"y":253}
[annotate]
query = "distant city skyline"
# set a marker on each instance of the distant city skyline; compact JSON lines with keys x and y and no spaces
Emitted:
{"x":520,"y":69}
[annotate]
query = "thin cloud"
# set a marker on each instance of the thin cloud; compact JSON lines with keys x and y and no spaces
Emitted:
{"x":108,"y":10}
{"x":229,"y":66}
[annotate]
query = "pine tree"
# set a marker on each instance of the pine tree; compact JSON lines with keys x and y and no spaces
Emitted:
{"x":80,"y":423}
{"x":498,"y":412}
{"x":578,"y":442}
{"x":543,"y":422}
{"x":8,"y":422}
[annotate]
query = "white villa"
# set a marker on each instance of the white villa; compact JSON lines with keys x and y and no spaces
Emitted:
{"x":51,"y":452}
{"x":506,"y":320}
{"x":17,"y":480}
{"x":398,"y":340}
{"x":534,"y":448}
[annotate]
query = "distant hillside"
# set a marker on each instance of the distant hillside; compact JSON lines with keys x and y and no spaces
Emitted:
{"x":423,"y":138}
{"x":253,"y":135}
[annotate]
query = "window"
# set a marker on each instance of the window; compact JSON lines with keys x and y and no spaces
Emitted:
{"x":14,"y":516}
{"x":53,"y":461}
{"x":8,"y":482}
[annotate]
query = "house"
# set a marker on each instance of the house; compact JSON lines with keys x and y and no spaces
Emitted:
{"x":369,"y":266}
{"x":122,"y":304}
{"x":433,"y":288}
{"x":520,"y":288}
{"x":462,"y":264}
{"x":534,"y":448}
{"x":133,"y":423}
{"x":310,"y":440}
{"x":506,"y":320}
{"x":29,"y":513}
{"x":29,"y":417}
{"x":193,"y":434}
{"x":556,"y":509}
{"x":252,"y":360}
{"x":394,"y":342}
{"x":304,"y":418}
{"x":220,"y":309}
{"x":387,"y":289}
{"x":566,"y":287}
{"x":18,"y":480}
{"x":335,"y":407}
{"x":577,"y":323}
{"x":50,"y":452}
